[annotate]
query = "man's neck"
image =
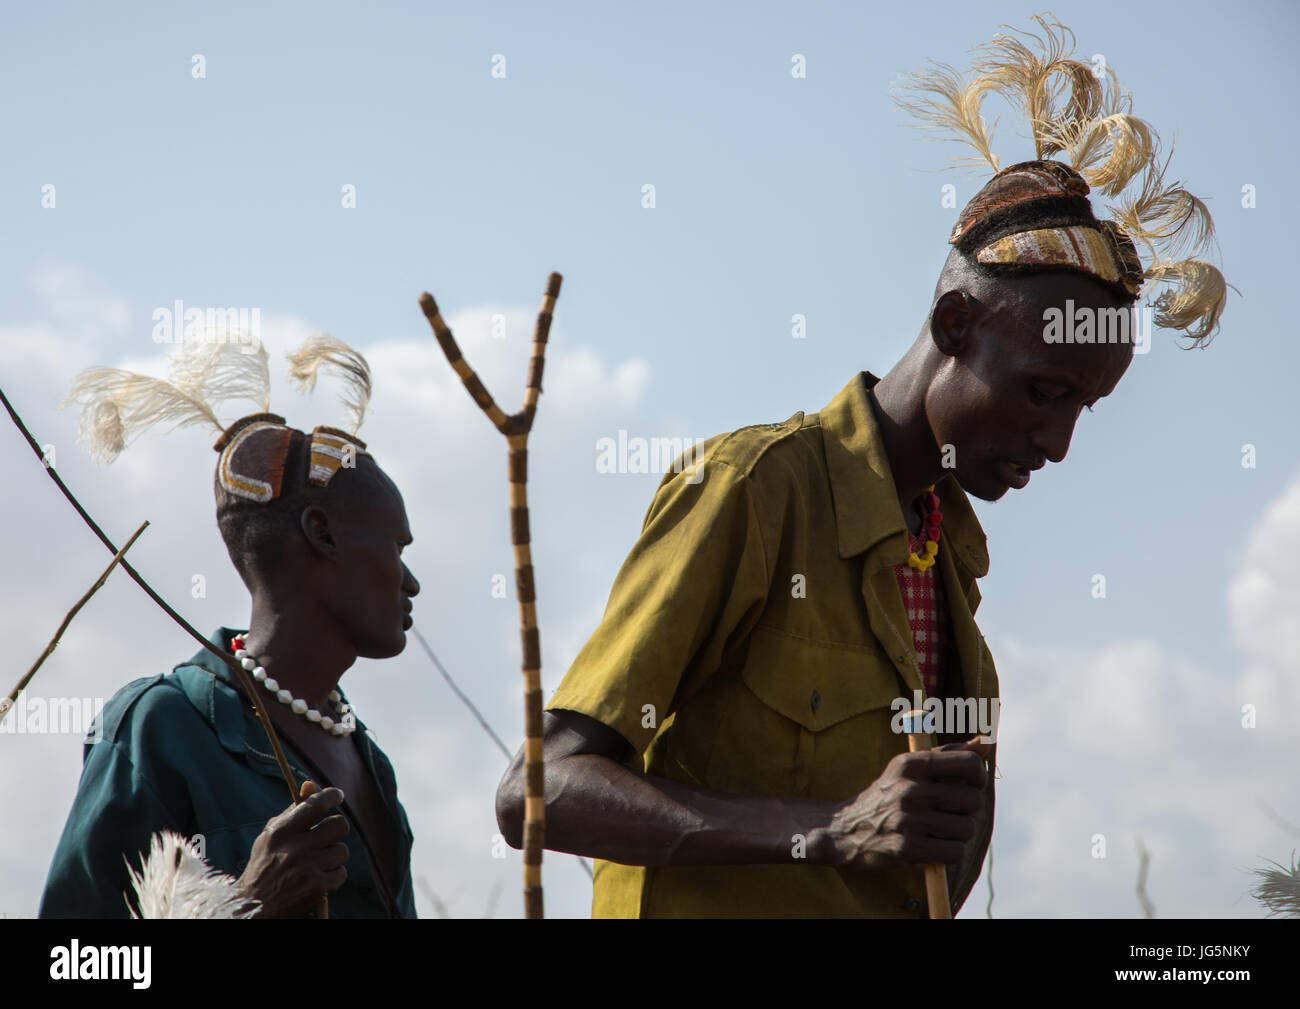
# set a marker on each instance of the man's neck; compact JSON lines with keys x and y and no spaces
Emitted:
{"x":299,"y":650}
{"x":898,"y":402}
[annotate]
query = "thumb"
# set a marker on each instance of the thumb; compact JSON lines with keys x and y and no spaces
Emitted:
{"x":308,"y":788}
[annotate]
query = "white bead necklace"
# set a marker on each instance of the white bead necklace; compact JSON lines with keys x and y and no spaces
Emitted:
{"x":344,"y":726}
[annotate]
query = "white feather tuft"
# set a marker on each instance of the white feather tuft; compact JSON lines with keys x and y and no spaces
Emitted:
{"x":218,"y":371}
{"x":175,"y":882}
{"x":117,"y":405}
{"x":336,"y":357}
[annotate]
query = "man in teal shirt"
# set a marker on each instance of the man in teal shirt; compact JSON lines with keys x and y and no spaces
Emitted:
{"x":316,"y":531}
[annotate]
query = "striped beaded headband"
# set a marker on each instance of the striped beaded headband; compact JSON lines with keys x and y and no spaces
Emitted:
{"x":1036,"y":215}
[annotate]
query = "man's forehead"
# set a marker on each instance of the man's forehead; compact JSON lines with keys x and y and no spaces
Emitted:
{"x":1092,"y":369}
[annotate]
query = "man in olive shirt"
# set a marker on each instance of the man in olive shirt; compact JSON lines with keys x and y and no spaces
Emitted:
{"x":725,"y":743}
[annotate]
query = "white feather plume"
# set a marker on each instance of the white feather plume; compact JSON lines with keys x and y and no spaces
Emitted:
{"x":175,"y":882}
{"x":117,"y":404}
{"x":336,"y":357}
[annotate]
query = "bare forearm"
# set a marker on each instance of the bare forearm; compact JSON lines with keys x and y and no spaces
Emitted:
{"x":597,"y":807}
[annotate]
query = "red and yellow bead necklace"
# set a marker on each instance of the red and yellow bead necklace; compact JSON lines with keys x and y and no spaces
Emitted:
{"x":924,"y":562}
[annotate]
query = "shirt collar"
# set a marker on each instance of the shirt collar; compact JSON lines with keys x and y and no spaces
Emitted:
{"x":862,"y":485}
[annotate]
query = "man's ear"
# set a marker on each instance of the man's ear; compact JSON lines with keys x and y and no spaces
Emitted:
{"x":315,"y":522}
{"x":952,"y":321}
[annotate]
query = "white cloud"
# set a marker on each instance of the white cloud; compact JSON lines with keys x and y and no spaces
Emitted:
{"x":78,"y":303}
{"x":1132,"y":739}
{"x":1264,"y":604}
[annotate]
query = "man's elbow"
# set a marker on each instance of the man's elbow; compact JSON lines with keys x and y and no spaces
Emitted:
{"x":510,"y":806}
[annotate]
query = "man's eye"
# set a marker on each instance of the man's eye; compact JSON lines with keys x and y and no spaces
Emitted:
{"x":1041,"y":394}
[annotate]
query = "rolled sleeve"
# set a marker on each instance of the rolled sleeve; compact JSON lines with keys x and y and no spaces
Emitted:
{"x":692,"y":582}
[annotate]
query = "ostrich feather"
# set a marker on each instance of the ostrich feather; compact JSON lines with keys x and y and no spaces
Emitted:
{"x":1195,"y":301}
{"x":1167,"y":219}
{"x":336,"y":357}
{"x":218,"y":371}
{"x":954,"y":107}
{"x":1037,"y":81}
{"x":1081,"y":116}
{"x":175,"y":882}
{"x":117,"y":405}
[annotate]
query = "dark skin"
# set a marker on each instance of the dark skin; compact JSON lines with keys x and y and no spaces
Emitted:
{"x":979,"y":377}
{"x":338,"y":592}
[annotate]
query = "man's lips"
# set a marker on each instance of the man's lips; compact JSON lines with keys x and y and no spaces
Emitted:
{"x":1015,"y":474}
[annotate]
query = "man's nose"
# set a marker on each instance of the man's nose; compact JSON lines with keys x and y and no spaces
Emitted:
{"x":411,"y":584}
{"x":1054,"y":441}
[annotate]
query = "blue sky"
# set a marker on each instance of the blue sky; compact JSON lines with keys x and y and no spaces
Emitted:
{"x":774,"y":196}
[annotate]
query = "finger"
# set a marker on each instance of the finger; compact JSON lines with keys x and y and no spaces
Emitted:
{"x":332,"y":857}
{"x":982,"y":745}
{"x":962,"y":764}
{"x":312,"y":810}
{"x":329,"y":830}
{"x":941,"y":797}
{"x":945,"y":826}
{"x":308,"y":788}
{"x":333,"y":879}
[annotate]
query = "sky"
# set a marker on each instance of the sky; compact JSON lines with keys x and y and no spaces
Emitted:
{"x":209,"y":155}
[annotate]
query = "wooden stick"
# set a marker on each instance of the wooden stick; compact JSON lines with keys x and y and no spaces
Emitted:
{"x":936,"y":874}
{"x":516,"y":428}
{"x":7,"y":703}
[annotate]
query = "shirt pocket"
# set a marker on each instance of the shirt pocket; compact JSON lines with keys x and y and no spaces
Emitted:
{"x":809,"y":718}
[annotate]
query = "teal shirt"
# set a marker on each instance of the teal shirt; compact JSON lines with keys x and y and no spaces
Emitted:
{"x":179,"y":752}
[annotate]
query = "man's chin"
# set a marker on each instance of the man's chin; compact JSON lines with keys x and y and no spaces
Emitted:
{"x":990,"y":488}
{"x":385,"y":650}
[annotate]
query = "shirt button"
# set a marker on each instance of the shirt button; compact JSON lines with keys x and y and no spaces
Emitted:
{"x":913,"y":904}
{"x":816,"y":700}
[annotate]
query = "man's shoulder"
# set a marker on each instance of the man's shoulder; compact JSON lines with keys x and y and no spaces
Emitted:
{"x":159,"y":699}
{"x":758,"y":448}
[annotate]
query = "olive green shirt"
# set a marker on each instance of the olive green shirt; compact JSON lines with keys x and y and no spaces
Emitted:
{"x":753,"y":642}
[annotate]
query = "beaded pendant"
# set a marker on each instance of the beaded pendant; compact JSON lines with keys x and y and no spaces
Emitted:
{"x":926,"y":561}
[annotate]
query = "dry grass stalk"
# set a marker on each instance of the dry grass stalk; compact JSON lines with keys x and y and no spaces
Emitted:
{"x":7,"y":703}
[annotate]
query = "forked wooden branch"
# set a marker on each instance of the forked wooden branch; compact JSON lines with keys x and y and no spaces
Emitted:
{"x":516,"y":428}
